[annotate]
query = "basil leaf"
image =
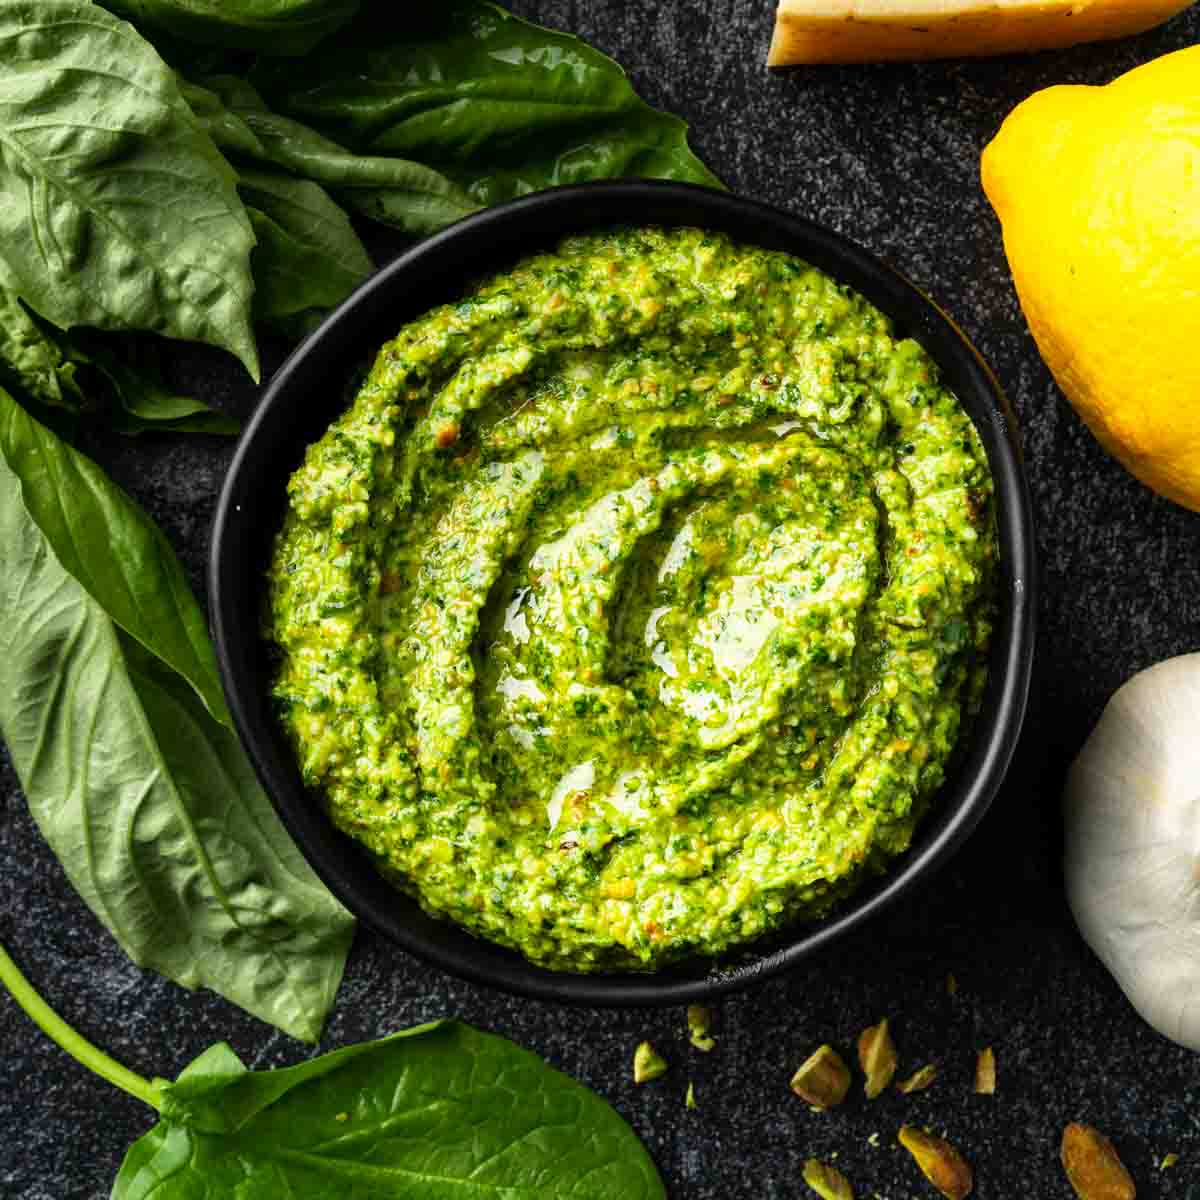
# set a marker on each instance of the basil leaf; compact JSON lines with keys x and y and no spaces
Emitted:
{"x":139,"y":399}
{"x":110,"y":548}
{"x":498,"y":105}
{"x":123,"y":373}
{"x":308,"y":257}
{"x":441,"y":1110}
{"x":111,"y":709}
{"x":229,"y":132}
{"x":273,"y":26}
{"x":116,"y":209}
{"x":406,"y":194}
{"x":33,"y":359}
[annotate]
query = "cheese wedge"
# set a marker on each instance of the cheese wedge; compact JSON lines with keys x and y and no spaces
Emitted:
{"x":856,"y":31}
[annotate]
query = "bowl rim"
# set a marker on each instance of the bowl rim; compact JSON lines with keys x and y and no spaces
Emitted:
{"x":432,"y":272}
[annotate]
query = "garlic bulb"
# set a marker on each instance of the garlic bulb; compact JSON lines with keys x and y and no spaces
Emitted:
{"x":1132,"y":810}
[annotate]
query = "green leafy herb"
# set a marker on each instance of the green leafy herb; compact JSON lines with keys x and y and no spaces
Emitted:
{"x":136,"y":397}
{"x":438,"y":1111}
{"x":33,"y":359}
{"x":117,"y":380}
{"x":113,"y":714}
{"x":308,"y":257}
{"x":405,"y":194}
{"x":116,"y":209}
{"x":441,"y":1110}
{"x":227,"y":130}
{"x":498,"y":105}
{"x":273,"y":26}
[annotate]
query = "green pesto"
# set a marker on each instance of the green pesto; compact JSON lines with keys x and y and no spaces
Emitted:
{"x":635,"y":604}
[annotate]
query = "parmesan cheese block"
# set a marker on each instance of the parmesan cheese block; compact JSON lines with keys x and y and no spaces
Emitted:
{"x":855,"y":31}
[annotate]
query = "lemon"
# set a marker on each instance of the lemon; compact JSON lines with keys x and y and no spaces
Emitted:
{"x":1098,"y":194}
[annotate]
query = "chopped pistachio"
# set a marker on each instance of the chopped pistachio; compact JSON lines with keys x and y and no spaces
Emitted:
{"x":689,"y":1101}
{"x":823,"y":1079}
{"x":918,"y":1081}
{"x":951,"y":986}
{"x":985,"y":1072}
{"x":1169,"y":1160}
{"x":1092,"y":1165}
{"x":647,"y":1063}
{"x":877,"y":1057}
{"x":700,"y":1024}
{"x":873,"y":1140}
{"x":939,"y":1161}
{"x":828,"y":1182}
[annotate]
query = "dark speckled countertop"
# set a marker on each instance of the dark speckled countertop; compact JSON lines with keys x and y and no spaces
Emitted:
{"x":888,"y":155}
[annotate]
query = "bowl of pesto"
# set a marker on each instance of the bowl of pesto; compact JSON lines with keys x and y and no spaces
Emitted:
{"x":627,"y":591}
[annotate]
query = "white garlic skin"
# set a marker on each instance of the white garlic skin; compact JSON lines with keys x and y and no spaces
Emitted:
{"x":1132,"y":815}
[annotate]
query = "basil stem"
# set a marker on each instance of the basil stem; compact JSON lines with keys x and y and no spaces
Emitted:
{"x":72,"y":1041}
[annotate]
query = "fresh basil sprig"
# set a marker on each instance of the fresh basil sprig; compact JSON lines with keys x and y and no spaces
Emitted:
{"x":120,"y":210}
{"x":113,"y":714}
{"x":440,"y":1111}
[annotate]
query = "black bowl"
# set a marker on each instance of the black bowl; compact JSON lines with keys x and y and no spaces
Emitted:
{"x":307,"y":392}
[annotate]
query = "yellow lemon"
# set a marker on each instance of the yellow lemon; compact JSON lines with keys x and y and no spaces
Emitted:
{"x":1098,"y":194}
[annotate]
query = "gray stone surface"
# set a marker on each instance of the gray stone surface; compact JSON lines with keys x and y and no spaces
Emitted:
{"x":888,"y":155}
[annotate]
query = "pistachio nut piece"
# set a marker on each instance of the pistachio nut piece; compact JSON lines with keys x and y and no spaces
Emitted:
{"x":823,"y":1079}
{"x":700,"y":1023}
{"x":1092,"y":1165}
{"x":877,"y":1057}
{"x":918,"y":1081}
{"x":828,"y":1182}
{"x":939,"y":1161}
{"x":647,"y":1063}
{"x":985,"y":1072}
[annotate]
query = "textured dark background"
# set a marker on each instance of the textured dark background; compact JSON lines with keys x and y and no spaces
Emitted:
{"x":888,"y":155}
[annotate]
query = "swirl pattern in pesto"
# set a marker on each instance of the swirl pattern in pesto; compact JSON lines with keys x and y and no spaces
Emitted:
{"x":635,"y":604}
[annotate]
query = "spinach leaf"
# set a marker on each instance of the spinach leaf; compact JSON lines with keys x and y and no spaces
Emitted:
{"x":308,"y":257}
{"x":116,"y":209}
{"x":113,"y":715}
{"x":393,"y":190}
{"x":273,"y":26}
{"x":441,"y":1110}
{"x":499,"y":106}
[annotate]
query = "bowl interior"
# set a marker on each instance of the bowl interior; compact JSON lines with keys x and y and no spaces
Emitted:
{"x":311,"y":388}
